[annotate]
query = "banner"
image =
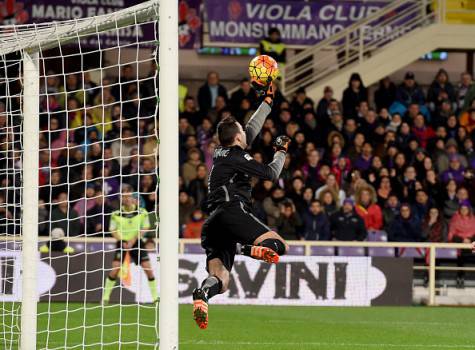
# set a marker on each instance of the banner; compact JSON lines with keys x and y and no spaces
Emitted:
{"x":301,"y":23}
{"x":296,"y":280}
{"x":28,"y":11}
{"x":189,"y":24}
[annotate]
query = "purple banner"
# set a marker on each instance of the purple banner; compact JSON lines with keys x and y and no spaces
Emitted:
{"x":300,"y":23}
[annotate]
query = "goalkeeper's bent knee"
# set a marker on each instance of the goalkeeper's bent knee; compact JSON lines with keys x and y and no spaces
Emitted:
{"x":275,"y":244}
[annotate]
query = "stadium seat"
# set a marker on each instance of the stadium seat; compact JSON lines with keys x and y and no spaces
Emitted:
{"x":193,"y":248}
{"x":351,"y":251}
{"x":79,"y":247}
{"x":296,"y":250}
{"x":446,"y":253}
{"x":381,"y":252}
{"x":322,"y":251}
{"x":377,"y":236}
{"x":411,"y":253}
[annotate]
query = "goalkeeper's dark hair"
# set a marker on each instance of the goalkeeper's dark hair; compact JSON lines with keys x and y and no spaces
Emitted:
{"x":227,"y":130}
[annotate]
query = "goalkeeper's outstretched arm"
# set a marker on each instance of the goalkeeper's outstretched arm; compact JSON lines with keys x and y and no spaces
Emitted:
{"x":254,"y":125}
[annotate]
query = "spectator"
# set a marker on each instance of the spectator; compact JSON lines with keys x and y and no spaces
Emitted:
{"x":316,"y":223}
{"x":408,"y":93}
{"x":363,"y":162}
{"x":301,"y":103}
{"x":198,"y":187}
{"x":324,"y":104}
{"x":405,"y":227}
{"x":194,"y":225}
{"x":440,"y":90}
{"x":461,"y":230}
{"x":467,"y":120}
{"x":98,"y":216}
{"x":296,"y":194}
{"x":272,"y":206}
{"x":422,"y":132}
{"x":390,"y":211}
{"x":311,"y":169}
{"x":434,"y":226}
{"x":356,"y":149}
{"x":454,"y":172}
{"x":442,"y":157}
{"x":385,"y":95}
{"x":332,"y":185}
{"x":189,"y":169}
{"x":245,"y":92}
{"x":329,"y":200}
{"x":462,"y":88}
{"x":353,"y":95}
{"x":186,"y":208}
{"x":384,"y":190}
{"x":273,"y":46}
{"x":190,"y":113}
{"x":64,"y":217}
{"x":462,"y":224}
{"x":209,"y":92}
{"x":346,"y":225}
{"x":289,"y":222}
{"x":421,"y":205}
{"x":367,"y":208}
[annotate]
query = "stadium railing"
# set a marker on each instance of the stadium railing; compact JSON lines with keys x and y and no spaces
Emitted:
{"x":423,"y":250}
{"x":426,"y":251}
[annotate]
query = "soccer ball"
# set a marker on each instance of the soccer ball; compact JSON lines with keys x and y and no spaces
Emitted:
{"x":263,"y":69}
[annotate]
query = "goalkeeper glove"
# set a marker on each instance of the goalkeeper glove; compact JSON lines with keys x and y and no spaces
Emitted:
{"x":270,"y":94}
{"x":263,"y":89}
{"x":281,"y":143}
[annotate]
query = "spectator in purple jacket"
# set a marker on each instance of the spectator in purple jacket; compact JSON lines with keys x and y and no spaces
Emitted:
{"x":363,"y":162}
{"x":454,"y":172}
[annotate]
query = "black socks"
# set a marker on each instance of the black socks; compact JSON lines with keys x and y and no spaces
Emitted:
{"x":275,"y":244}
{"x":212,"y":286}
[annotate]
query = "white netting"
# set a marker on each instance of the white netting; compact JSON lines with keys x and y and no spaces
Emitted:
{"x":97,"y":122}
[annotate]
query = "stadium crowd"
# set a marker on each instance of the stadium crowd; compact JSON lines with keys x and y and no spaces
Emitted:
{"x":93,"y":139}
{"x":400,"y":161}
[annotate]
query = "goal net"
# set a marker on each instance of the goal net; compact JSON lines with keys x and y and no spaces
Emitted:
{"x":78,"y":182}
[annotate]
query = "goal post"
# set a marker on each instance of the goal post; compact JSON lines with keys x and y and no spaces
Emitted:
{"x":81,"y":129}
{"x":31,"y":92}
{"x":168,"y":57}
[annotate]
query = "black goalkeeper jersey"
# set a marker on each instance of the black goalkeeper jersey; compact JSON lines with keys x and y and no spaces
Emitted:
{"x":233,"y":167}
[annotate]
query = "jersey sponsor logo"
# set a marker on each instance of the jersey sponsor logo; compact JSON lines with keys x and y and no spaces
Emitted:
{"x":221,"y":152}
{"x":247,"y":156}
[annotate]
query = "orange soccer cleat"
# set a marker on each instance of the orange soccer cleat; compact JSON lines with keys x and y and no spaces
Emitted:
{"x":265,"y":254}
{"x":200,"y":308}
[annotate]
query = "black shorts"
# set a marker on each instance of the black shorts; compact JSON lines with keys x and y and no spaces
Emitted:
{"x":229,"y":224}
{"x":137,"y":253}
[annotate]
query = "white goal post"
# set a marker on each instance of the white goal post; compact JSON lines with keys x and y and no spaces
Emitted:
{"x":168,"y":53}
{"x":27,"y":44}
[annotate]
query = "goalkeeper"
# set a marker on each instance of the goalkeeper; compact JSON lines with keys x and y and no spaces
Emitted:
{"x":228,"y":204}
{"x":127,"y":226}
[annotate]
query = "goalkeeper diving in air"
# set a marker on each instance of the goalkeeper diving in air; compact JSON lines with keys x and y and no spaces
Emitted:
{"x":127,"y":226}
{"x":231,"y":228}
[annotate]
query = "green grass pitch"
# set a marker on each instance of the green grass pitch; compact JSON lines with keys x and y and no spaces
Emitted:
{"x":264,"y":327}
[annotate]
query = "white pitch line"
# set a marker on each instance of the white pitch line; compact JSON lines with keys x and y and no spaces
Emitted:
{"x":409,"y":323}
{"x":340,"y":345}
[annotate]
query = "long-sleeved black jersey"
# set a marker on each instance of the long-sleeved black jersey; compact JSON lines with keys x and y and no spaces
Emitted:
{"x":233,"y":167}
